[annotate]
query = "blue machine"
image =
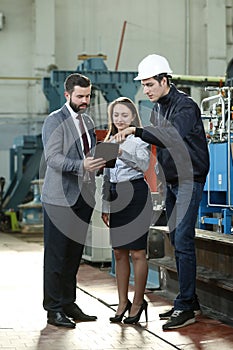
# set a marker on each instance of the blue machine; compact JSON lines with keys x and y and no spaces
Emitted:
{"x":216,"y":207}
{"x":111,"y":84}
{"x":25,"y":157}
{"x":218,"y":191}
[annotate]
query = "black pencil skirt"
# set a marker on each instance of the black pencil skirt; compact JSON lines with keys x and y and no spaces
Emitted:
{"x":130,"y":214}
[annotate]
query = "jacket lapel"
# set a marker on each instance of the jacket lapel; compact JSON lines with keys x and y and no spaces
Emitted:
{"x":72,"y":127}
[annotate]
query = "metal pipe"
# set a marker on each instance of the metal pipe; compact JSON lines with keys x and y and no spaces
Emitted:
{"x":210,"y":98}
{"x":120,"y":47}
{"x":200,"y":78}
{"x":20,"y":78}
{"x":191,"y":78}
{"x":187,"y":35}
{"x":219,"y":96}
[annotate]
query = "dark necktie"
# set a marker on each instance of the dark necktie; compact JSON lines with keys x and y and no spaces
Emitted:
{"x":84,"y":135}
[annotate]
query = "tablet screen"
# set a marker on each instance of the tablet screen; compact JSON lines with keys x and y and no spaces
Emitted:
{"x":108,"y":151}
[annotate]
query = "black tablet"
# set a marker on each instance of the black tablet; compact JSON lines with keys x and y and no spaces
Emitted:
{"x":108,"y":151}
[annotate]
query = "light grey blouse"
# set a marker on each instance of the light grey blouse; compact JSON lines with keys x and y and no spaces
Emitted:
{"x":130,"y":165}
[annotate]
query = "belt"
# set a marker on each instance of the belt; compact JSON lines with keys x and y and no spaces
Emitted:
{"x":114,"y":184}
{"x":133,"y":180}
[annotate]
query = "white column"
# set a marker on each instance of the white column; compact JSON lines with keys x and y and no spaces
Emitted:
{"x":44,"y":54}
{"x":216,"y":37}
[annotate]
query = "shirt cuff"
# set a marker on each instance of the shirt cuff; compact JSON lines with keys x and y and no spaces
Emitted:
{"x":138,"y":132}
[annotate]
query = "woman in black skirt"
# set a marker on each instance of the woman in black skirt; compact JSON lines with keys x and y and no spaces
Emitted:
{"x":127,"y":209}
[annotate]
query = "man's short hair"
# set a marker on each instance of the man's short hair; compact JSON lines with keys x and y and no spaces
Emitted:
{"x":76,"y":79}
{"x":159,"y":77}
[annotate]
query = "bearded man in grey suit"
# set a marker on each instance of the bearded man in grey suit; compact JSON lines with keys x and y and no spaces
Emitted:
{"x":68,"y":199}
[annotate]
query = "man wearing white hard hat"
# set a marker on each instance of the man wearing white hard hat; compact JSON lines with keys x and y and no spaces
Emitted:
{"x":182,"y":164}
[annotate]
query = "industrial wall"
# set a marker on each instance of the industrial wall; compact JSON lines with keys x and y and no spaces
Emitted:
{"x":37,"y":36}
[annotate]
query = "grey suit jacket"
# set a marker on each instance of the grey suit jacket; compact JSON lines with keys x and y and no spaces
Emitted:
{"x":63,"y":155}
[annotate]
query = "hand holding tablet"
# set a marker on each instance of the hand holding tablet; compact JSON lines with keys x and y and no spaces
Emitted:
{"x":108,"y":151}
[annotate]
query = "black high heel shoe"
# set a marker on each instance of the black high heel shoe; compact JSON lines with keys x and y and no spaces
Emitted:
{"x":136,"y":318}
{"x":118,"y":318}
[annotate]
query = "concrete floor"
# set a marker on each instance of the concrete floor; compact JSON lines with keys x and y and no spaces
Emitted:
{"x":23,"y":320}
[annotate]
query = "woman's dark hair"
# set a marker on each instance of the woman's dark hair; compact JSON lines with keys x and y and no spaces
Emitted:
{"x":76,"y":79}
{"x":112,"y":130}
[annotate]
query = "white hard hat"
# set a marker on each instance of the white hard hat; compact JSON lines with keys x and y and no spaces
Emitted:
{"x":152,"y":65}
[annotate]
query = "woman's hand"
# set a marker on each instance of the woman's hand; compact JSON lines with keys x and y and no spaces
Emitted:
{"x":105,"y":218}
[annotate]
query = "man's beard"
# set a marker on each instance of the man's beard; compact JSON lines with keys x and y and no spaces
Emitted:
{"x":81,"y":108}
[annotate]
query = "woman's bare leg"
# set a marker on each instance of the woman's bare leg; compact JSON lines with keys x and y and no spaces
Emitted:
{"x":122,"y":277}
{"x":140,"y":278}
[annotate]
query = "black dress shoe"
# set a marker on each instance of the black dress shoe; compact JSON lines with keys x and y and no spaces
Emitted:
{"x":59,"y":319}
{"x":74,"y":312}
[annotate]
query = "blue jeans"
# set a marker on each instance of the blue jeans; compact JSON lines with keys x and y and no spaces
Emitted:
{"x":182,"y":203}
